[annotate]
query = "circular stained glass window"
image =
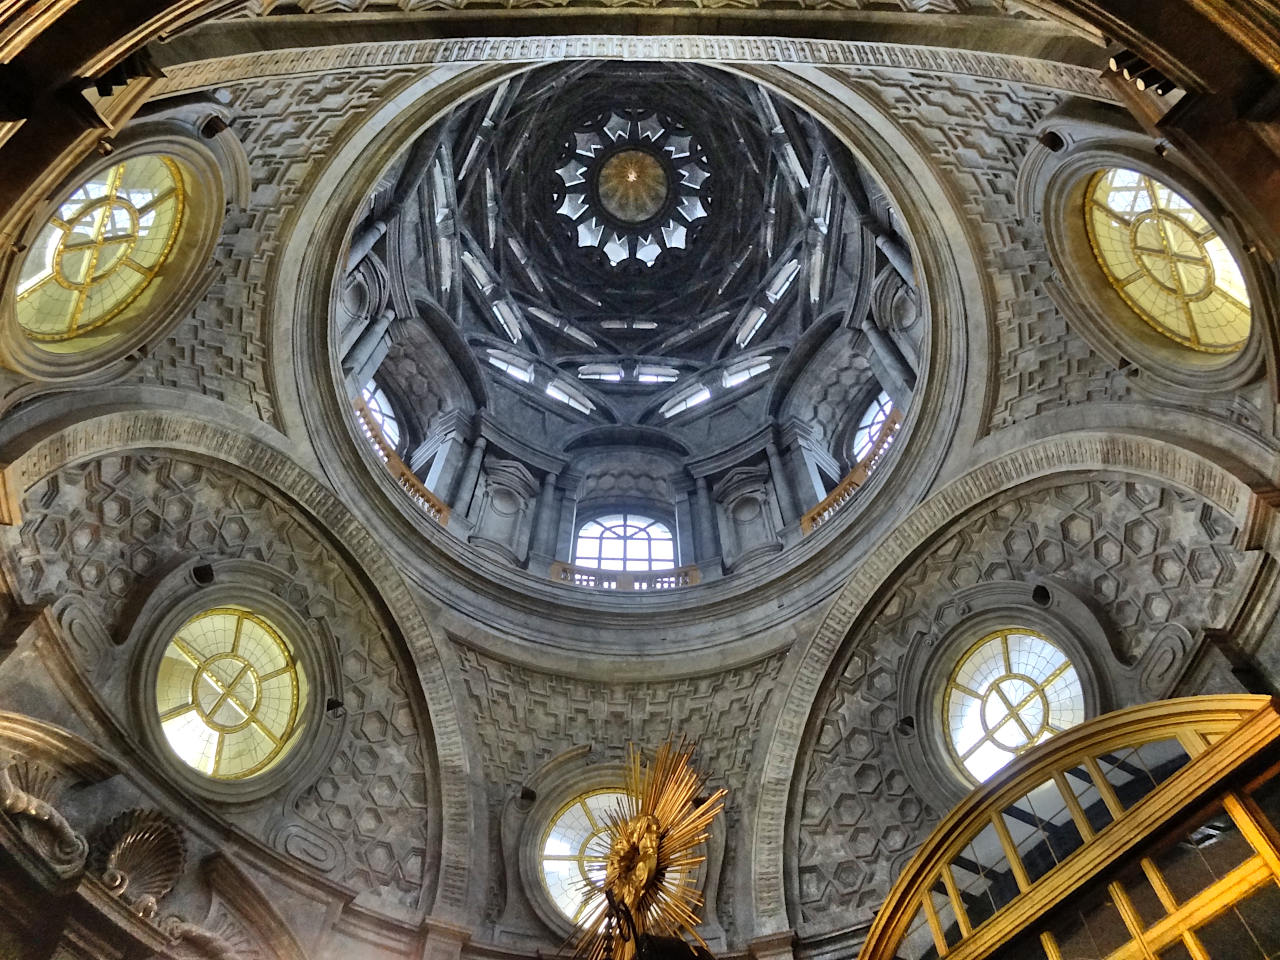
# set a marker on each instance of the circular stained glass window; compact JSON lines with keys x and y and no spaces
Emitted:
{"x":574,"y":850}
{"x":229,"y":694}
{"x":1014,"y":689}
{"x":1167,"y":261}
{"x":100,"y":252}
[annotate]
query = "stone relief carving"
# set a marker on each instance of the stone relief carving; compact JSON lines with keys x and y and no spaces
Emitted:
{"x":822,"y":396}
{"x":627,"y":474}
{"x":870,"y":55}
{"x":749,"y":518}
{"x":1148,"y":556}
{"x":28,"y":794}
{"x":979,"y":130}
{"x":507,"y":493}
{"x":261,"y":8}
{"x":96,"y":530}
{"x":141,"y":858}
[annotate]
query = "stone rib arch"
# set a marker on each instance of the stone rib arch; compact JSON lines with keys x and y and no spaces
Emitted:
{"x":113,"y":433}
{"x":1067,"y":456}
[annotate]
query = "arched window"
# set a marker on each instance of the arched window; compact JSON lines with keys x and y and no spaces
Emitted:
{"x":100,"y":252}
{"x":1013,"y":689}
{"x":625,"y":541}
{"x":574,"y":849}
{"x":876,"y":430}
{"x":229,"y":694}
{"x":1167,"y":261}
{"x":380,"y":410}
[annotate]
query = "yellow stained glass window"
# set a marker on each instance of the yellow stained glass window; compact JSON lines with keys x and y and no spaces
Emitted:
{"x":574,"y":849}
{"x":1012,"y":690}
{"x":229,"y":694}
{"x":1167,"y":261}
{"x":108,"y":240}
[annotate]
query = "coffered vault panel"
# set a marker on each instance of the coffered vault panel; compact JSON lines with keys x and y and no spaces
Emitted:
{"x":1144,"y":556}
{"x":97,"y":531}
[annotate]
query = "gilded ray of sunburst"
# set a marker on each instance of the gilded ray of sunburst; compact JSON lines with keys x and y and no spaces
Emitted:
{"x":651,"y":868}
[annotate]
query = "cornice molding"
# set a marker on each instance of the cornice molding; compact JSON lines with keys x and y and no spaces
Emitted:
{"x":856,"y":55}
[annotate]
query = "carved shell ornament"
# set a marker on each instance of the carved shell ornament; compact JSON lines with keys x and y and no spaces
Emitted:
{"x":28,"y":792}
{"x":143,"y":858}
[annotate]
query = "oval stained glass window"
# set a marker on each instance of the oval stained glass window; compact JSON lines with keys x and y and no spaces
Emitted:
{"x":100,"y":253}
{"x":1167,"y":261}
{"x":229,"y":694}
{"x":1012,"y":690}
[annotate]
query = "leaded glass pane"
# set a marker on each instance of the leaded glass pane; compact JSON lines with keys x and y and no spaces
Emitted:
{"x":1012,"y":691}
{"x":383,"y":415}
{"x":229,"y":694}
{"x":625,"y":542}
{"x":867,"y":438}
{"x":101,"y":250}
{"x":574,"y":849}
{"x":1167,"y":261}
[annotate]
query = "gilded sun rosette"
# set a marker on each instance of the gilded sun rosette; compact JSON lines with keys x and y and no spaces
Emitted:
{"x":649,"y":885}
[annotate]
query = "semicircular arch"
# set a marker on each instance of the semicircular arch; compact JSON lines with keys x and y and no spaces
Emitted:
{"x":34,"y":458}
{"x":1065,"y":456}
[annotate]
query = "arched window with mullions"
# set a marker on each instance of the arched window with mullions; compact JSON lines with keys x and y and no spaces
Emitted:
{"x":625,"y":541}
{"x":382,"y":414}
{"x":876,"y":430}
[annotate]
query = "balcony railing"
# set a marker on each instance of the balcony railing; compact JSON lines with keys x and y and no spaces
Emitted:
{"x":1023,"y":854}
{"x":428,"y":502}
{"x":623,"y":581}
{"x":854,"y":479}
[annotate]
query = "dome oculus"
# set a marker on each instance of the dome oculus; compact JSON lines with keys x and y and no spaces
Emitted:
{"x":1014,"y":689}
{"x":632,"y":185}
{"x":229,"y":694}
{"x":100,"y":252}
{"x":618,"y":186}
{"x":1167,"y":261}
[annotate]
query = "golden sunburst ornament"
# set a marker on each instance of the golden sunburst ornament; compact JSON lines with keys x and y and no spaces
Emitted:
{"x":649,"y":883}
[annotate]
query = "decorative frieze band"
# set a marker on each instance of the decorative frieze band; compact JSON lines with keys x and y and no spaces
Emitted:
{"x":835,"y":53}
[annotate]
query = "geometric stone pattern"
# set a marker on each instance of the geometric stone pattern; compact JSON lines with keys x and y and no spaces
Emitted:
{"x":828,"y":385}
{"x":1147,"y":555}
{"x":526,"y":717}
{"x":287,"y":126}
{"x":260,"y":8}
{"x":97,"y":530}
{"x":978,"y":132}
